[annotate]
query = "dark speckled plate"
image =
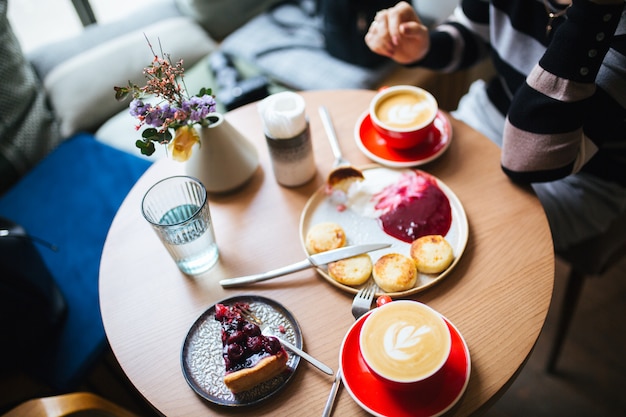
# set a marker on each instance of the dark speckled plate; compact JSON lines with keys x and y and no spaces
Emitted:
{"x":201,"y":356}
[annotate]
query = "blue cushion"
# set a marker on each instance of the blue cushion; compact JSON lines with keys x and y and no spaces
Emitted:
{"x":70,"y":199}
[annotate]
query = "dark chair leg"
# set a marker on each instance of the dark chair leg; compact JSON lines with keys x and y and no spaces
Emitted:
{"x":570,"y":300}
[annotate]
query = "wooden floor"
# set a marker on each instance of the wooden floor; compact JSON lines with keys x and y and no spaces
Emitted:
{"x":590,"y":378}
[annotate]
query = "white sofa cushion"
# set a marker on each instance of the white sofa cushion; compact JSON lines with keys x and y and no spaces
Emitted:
{"x":47,"y":56}
{"x":81,"y":89}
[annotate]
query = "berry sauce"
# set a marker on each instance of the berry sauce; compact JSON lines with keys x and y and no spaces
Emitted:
{"x":414,"y":207}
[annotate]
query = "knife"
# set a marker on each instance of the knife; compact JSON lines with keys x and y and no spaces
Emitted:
{"x":313,"y":260}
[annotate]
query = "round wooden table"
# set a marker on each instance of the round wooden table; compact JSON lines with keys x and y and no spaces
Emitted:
{"x":497,"y":295}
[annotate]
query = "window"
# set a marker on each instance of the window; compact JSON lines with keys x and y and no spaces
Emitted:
{"x":37,"y":22}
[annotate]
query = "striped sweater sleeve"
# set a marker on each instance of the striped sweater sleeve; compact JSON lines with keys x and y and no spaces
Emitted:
{"x":562,"y":114}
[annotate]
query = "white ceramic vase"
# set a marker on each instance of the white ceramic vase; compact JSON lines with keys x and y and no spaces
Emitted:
{"x":224,"y":160}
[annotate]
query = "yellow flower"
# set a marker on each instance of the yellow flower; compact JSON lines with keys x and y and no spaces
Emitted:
{"x":181,"y":146}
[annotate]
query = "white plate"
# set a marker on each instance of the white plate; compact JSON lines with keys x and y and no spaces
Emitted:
{"x":320,"y":208}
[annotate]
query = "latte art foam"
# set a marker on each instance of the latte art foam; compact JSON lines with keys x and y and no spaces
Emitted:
{"x":402,"y":341}
{"x":405,"y":341}
{"x":405,"y":114}
{"x":405,"y":110}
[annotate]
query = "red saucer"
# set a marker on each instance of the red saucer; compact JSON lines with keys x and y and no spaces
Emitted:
{"x":374,"y":146}
{"x":430,"y":398}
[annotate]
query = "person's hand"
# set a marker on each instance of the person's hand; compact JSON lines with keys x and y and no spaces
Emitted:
{"x":399,"y":34}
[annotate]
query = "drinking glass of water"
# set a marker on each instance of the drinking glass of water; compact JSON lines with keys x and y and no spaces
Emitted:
{"x":178,"y":210}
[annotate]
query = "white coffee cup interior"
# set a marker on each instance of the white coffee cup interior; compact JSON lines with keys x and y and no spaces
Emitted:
{"x":405,"y":341}
{"x":403,"y":108}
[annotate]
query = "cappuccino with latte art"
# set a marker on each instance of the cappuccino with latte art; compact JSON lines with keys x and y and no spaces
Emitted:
{"x":403,"y":115}
{"x":405,"y":341}
{"x":405,"y":110}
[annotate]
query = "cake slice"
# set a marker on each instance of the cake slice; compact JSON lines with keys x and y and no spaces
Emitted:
{"x":250,"y":358}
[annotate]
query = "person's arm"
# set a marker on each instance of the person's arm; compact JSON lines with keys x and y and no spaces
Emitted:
{"x":399,"y":34}
{"x":559,"y":118}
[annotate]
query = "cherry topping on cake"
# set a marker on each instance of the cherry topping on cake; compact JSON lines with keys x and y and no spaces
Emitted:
{"x":244,"y":345}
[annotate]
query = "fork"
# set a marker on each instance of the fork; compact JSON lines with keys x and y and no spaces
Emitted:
{"x":360,"y":305}
{"x":363,"y":301}
{"x":266,"y":330}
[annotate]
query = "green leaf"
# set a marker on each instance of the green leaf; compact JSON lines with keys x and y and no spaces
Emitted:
{"x":147,"y":148}
{"x":150,"y":133}
{"x":121,"y":93}
{"x":204,"y":91}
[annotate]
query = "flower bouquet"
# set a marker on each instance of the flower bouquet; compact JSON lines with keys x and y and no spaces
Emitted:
{"x":176,"y":111}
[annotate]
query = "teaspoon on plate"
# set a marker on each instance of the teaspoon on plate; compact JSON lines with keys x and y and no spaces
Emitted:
{"x":343,"y":173}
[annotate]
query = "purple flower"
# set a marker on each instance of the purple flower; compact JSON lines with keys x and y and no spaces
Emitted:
{"x":138,"y":108}
{"x":167,"y":112}
{"x":209,"y":102}
{"x":154,"y":117}
{"x":157,"y":116}
{"x":199,"y":107}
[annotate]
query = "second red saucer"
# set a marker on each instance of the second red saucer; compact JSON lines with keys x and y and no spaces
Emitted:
{"x":374,"y":146}
{"x":430,"y":398}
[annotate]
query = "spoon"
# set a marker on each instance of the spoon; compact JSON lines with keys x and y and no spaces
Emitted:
{"x":343,"y":173}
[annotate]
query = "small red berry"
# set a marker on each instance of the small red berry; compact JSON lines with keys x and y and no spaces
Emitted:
{"x":382,"y":300}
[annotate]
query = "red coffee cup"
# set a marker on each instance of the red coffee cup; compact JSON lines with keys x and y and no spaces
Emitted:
{"x":404,"y":342}
{"x":403,"y":115}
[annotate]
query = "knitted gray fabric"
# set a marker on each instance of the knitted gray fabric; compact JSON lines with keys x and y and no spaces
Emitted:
{"x":28,"y":130}
{"x":287,"y":44}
